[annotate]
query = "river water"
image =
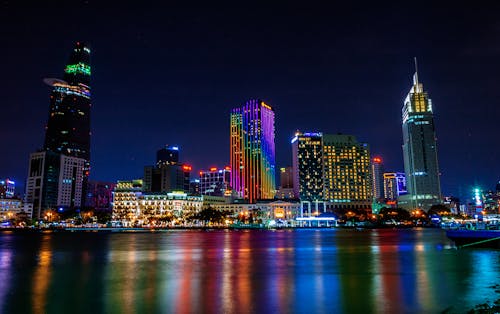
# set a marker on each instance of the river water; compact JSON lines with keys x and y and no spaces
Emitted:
{"x":251,"y":271}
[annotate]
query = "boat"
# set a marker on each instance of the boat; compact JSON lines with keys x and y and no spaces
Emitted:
{"x":475,"y":238}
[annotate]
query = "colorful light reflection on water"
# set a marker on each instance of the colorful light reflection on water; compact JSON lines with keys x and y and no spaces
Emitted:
{"x":302,"y":271}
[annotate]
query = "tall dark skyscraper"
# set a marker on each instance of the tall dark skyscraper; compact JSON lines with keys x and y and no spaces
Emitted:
{"x":68,"y":127}
{"x":307,"y":158}
{"x":420,"y":149}
{"x":58,"y":174}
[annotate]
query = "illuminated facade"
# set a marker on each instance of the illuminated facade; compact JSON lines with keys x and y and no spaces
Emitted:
{"x":99,"y":195}
{"x":377,"y":178}
{"x":307,"y":158}
{"x":10,"y":207}
{"x":346,"y":166}
{"x":132,"y":206}
{"x":55,"y":181}
{"x":420,"y":149}
{"x":215,"y":181}
{"x":394,"y":185}
{"x":7,"y":188}
{"x":252,"y":151}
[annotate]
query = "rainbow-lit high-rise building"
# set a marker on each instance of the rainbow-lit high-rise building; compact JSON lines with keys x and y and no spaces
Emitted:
{"x":252,"y":151}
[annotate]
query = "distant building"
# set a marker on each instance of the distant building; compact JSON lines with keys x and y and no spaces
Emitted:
{"x":55,"y":181}
{"x":252,"y":151}
{"x":168,"y":174}
{"x":168,"y":155}
{"x":215,"y":181}
{"x":194,"y":187}
{"x":286,"y":177}
{"x":99,"y":195}
{"x":420,"y":150}
{"x":377,"y":178}
{"x":453,"y":203}
{"x":394,"y":185}
{"x":7,"y":188}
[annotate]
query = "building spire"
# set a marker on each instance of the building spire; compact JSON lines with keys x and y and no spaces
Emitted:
{"x":415,"y":76}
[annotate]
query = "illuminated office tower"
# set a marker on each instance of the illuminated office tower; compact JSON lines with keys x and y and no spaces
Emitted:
{"x":346,"y":167}
{"x":307,"y":159}
{"x":420,"y":149}
{"x":252,"y":152}
{"x":377,"y":178}
{"x":394,"y":185}
{"x":215,"y":181}
{"x":68,"y":126}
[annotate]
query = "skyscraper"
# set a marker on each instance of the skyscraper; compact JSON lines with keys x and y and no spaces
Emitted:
{"x":420,"y":149}
{"x":252,"y":151}
{"x":68,"y":127}
{"x":58,"y":174}
{"x":394,"y":185}
{"x":377,"y":178}
{"x":307,"y":159}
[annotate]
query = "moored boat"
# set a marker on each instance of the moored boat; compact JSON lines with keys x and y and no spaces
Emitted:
{"x":475,"y":238}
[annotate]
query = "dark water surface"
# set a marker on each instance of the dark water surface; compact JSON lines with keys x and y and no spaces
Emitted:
{"x":299,"y":271}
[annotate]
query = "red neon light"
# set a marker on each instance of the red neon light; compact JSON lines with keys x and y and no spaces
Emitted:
{"x":213,"y":169}
{"x":377,"y":159}
{"x":186,"y":168}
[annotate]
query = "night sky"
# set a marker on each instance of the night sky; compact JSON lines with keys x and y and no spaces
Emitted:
{"x":170,"y":75}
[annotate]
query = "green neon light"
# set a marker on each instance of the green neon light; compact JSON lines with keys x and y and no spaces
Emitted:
{"x":78,"y":68}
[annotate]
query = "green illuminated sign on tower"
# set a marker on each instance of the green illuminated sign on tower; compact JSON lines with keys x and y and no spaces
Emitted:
{"x":78,"y":68}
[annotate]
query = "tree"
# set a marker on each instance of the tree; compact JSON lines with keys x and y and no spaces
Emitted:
{"x":394,"y":213}
{"x":439,"y":210}
{"x":210,"y":214}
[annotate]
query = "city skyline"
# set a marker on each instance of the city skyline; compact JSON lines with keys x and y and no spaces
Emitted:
{"x":314,"y":93}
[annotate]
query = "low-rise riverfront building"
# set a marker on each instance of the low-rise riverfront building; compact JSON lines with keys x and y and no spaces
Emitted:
{"x":10,"y":207}
{"x":132,"y":206}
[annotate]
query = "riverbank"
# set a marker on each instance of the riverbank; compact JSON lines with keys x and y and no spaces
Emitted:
{"x":203,"y":228}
